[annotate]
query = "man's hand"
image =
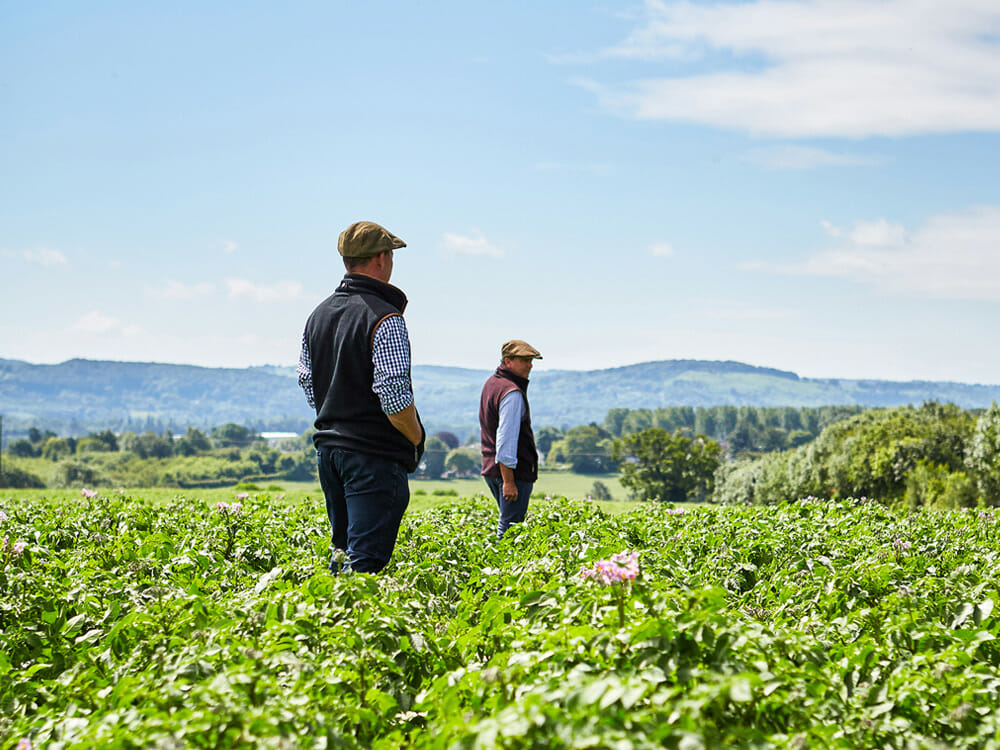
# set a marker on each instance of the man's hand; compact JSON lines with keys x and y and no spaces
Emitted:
{"x":509,"y":490}
{"x":406,"y":422}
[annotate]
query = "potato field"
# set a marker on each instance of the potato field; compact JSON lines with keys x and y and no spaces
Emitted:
{"x":185,"y":622}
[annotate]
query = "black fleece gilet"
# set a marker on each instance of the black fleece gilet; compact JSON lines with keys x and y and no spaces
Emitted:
{"x":339,"y":334}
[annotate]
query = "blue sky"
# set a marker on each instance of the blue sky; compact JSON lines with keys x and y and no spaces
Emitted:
{"x":805,"y":185}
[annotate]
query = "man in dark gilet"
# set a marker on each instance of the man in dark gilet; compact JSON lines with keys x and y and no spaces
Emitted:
{"x":510,"y":459}
{"x":355,"y":371}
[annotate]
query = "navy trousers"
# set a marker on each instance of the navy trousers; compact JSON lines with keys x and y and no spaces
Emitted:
{"x":366,"y":497}
{"x":510,"y":511}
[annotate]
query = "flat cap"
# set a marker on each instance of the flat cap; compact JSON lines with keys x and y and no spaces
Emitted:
{"x":365,"y":239}
{"x":518,"y":348}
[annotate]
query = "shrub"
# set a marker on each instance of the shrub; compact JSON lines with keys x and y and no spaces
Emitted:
{"x":16,"y":478}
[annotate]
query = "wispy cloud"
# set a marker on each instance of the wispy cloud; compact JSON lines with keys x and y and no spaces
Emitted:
{"x":476,"y":245}
{"x":176,"y":290}
{"x":228,"y":246}
{"x":661,"y":250}
{"x":805,"y":157}
{"x":806,"y":68}
{"x":280,"y":291}
{"x":44,"y":257}
{"x":950,"y":256}
{"x":97,"y":323}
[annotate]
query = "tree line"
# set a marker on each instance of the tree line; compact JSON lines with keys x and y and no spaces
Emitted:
{"x":225,"y":454}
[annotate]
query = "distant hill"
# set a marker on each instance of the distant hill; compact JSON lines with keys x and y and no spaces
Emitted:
{"x":81,"y":395}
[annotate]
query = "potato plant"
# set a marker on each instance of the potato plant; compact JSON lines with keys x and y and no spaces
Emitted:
{"x":130,"y":623}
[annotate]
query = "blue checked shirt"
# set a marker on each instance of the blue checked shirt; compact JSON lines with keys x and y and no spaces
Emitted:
{"x":391,"y":358}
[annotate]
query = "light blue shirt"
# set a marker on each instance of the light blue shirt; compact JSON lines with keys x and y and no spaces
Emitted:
{"x":509,"y":428}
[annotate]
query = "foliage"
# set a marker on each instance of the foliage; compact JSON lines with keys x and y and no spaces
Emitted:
{"x":667,"y":467}
{"x":435,"y":453}
{"x":463,"y":462}
{"x":744,"y":429}
{"x":984,"y":455}
{"x":600,"y":491}
{"x":15,"y":477}
{"x":448,"y":438}
{"x":586,"y":448}
{"x":125,"y":623}
{"x":873,"y":454}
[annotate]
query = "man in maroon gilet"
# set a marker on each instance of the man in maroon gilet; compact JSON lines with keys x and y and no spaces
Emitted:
{"x":510,"y":459}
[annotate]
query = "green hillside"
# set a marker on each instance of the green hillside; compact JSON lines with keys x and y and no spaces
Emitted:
{"x":78,"y":396}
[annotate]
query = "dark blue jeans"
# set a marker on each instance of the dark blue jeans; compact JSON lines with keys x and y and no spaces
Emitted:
{"x":366,"y":497}
{"x":510,"y":512}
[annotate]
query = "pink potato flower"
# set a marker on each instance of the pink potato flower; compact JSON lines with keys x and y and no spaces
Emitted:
{"x":621,"y":568}
{"x":88,"y":493}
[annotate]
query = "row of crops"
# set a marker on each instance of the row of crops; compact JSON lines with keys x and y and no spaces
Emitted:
{"x":190,"y":623}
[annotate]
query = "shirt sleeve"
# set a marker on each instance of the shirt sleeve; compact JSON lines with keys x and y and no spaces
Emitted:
{"x":509,"y":429}
{"x":391,"y":358}
{"x":304,"y":371}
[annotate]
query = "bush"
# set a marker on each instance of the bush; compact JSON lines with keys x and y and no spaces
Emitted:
{"x":18,"y":479}
{"x":72,"y":474}
{"x":600,"y":491}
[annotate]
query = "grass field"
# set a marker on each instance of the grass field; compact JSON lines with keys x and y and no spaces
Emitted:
{"x":550,"y":483}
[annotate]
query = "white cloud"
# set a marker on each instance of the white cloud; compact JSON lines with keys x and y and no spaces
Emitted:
{"x":44,"y":257}
{"x":807,"y":68}
{"x":804,"y":157}
{"x":228,"y":246}
{"x":177,"y":290}
{"x":476,"y":245}
{"x":950,"y":256}
{"x":661,"y":250}
{"x":879,"y":233}
{"x":278,"y":292}
{"x":96,"y":322}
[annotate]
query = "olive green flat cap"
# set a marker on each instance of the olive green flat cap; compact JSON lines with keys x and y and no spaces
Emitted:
{"x":518,"y":348}
{"x":366,"y":239}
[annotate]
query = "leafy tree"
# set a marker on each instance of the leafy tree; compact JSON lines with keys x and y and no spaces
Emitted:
{"x":15,"y":477}
{"x":614,"y":421}
{"x":192,"y":442}
{"x":71,"y":474}
{"x":868,"y":455}
{"x":231,"y":434}
{"x":667,"y":467}
{"x":545,"y":437}
{"x":106,"y":438}
{"x":56,"y":448}
{"x":984,"y":455}
{"x":587,"y":448}
{"x":449,"y":438}
{"x":435,"y":452}
{"x":462,"y":461}
{"x":148,"y":444}
{"x":38,"y":437}
{"x":23,"y":449}
{"x":600,"y":491}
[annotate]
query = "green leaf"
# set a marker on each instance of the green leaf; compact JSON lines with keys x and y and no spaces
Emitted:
{"x":740,"y":691}
{"x":983,"y":610}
